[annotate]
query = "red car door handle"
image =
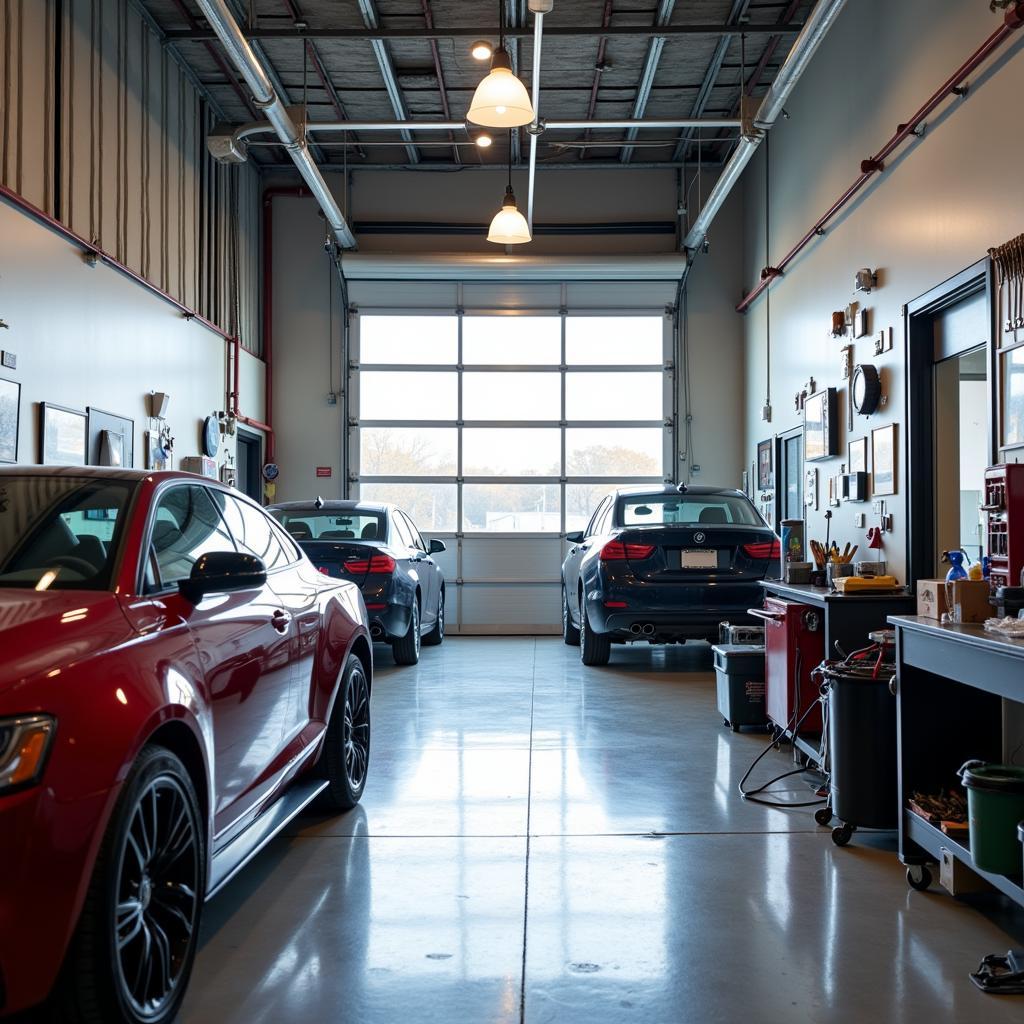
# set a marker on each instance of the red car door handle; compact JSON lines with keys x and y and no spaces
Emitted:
{"x":280,"y":620}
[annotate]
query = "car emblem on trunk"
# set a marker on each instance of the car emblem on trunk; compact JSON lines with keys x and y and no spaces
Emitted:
{"x":698,"y":538}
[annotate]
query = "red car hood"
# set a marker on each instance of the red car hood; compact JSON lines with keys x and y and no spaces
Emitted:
{"x":43,"y":631}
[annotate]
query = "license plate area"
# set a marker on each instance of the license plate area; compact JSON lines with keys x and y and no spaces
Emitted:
{"x":698,"y":558}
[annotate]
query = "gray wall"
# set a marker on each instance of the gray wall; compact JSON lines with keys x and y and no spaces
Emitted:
{"x":90,"y":336}
{"x":309,"y":430}
{"x":116,"y":153}
{"x":941,"y":203}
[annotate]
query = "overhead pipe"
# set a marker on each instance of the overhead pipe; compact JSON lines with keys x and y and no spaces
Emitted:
{"x":821,"y":20}
{"x":230,"y":34}
{"x":953,"y":86}
{"x":492,"y":32}
{"x":535,"y":129}
{"x":243,"y":133}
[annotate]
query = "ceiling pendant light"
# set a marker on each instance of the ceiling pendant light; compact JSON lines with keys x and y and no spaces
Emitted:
{"x":509,"y":226}
{"x":501,"y":100}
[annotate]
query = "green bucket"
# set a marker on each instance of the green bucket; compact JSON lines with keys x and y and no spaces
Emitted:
{"x":995,"y":806}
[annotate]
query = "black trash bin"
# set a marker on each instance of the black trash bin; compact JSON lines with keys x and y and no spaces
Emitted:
{"x":739,"y":670}
{"x":863,"y":789}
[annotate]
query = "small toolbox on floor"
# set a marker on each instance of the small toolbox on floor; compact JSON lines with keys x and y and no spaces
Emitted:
{"x":739,"y":672}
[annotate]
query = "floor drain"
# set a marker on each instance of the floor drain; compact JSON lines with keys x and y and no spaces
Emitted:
{"x":584,"y":968}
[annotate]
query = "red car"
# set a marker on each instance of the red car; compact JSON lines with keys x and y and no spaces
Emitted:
{"x":177,"y":682}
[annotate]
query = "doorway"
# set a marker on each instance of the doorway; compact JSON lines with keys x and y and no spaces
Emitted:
{"x":949,"y":403}
{"x":249,"y":457}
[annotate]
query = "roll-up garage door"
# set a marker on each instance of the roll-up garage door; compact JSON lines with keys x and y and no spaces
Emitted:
{"x":498,"y":424}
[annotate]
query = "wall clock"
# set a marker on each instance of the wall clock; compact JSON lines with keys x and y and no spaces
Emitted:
{"x":866,"y":389}
{"x":211,"y":436}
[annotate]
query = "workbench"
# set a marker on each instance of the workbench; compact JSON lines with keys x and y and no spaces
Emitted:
{"x":846,"y":619}
{"x":951,"y":681}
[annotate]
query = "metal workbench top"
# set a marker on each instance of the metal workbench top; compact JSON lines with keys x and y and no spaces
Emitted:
{"x":806,"y":594}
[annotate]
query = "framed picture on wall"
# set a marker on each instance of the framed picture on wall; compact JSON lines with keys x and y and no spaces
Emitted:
{"x":857,"y":456}
{"x":10,"y":409}
{"x":764,"y":465}
{"x":62,"y":435}
{"x":883,"y":460}
{"x":821,"y":433}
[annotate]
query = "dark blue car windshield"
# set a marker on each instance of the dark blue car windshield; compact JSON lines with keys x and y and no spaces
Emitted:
{"x":686,"y":510}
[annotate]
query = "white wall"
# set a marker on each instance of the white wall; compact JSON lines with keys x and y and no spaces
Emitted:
{"x":941,"y":203}
{"x":89,"y":336}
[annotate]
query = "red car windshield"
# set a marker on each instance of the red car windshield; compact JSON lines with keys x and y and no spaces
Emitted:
{"x":60,"y":532}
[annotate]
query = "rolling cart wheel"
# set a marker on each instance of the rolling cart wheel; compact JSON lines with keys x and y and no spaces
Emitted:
{"x":919,"y":877}
{"x":823,"y":815}
{"x":725,"y":722}
{"x":734,"y":727}
{"x":842,"y":834}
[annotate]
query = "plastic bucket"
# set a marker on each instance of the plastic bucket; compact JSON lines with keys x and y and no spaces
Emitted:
{"x":995,"y":808}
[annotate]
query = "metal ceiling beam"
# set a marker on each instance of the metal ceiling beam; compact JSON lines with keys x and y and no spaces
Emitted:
{"x":368,"y":9}
{"x":650,"y":69}
{"x":446,"y":168}
{"x":313,"y":54}
{"x":738,"y":10}
{"x":428,"y":20}
{"x":491,"y":32}
{"x":602,"y":46}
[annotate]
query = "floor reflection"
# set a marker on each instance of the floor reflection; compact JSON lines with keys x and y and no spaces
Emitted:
{"x":655,"y":892}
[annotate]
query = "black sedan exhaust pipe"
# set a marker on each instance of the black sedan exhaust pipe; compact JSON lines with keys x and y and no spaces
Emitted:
{"x":377,"y":632}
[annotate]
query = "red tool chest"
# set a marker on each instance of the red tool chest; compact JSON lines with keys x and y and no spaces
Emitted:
{"x":794,"y":646}
{"x":1004,"y":503}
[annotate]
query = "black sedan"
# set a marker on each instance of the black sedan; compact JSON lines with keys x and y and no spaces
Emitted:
{"x":663,"y":565}
{"x":378,"y":548}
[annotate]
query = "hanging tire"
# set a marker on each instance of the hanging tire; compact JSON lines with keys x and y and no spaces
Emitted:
{"x":406,"y":649}
{"x":436,"y":636}
{"x":132,"y":952}
{"x":595,"y":648}
{"x":346,"y":755}
{"x":570,"y":634}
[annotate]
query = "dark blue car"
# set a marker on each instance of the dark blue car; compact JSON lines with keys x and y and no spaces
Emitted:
{"x":664,"y":565}
{"x":378,"y":548}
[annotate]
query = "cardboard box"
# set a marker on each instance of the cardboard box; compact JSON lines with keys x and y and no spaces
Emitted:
{"x":963,"y":600}
{"x":931,"y":598}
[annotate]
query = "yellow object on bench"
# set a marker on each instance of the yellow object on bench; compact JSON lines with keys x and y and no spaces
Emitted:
{"x":864,"y":584}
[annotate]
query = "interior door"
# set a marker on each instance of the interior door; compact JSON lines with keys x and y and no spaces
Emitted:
{"x":243,"y":652}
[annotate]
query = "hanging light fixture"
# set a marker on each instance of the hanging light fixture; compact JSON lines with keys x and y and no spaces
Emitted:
{"x":501,"y":100}
{"x":509,"y":226}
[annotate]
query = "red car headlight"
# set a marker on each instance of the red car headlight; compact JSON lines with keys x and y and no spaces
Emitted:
{"x":24,"y":744}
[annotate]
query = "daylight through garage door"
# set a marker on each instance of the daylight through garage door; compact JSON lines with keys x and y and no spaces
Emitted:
{"x":498,"y":433}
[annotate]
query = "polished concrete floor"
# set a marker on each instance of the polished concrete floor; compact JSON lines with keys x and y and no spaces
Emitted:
{"x":540,"y":841}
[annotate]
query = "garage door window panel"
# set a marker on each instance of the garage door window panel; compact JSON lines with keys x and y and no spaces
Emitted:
{"x":408,"y":451}
{"x":408,"y":395}
{"x":511,"y":396}
{"x":511,"y":508}
{"x":614,"y":340}
{"x":512,"y":451}
{"x":614,"y":395}
{"x":409,"y":340}
{"x":512,"y":340}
